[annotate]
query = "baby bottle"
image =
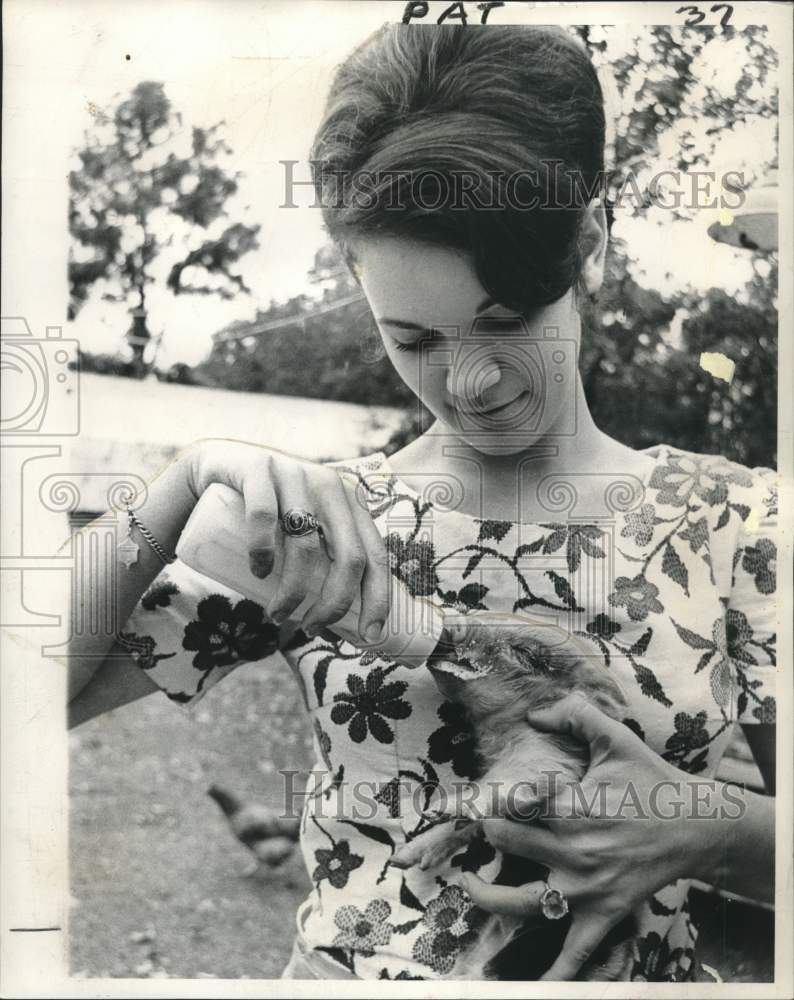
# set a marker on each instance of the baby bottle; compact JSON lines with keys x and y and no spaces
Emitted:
{"x":214,"y":543}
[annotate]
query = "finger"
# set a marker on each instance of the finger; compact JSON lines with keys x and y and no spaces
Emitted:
{"x":261,"y":522}
{"x":301,"y":558}
{"x":581,"y":941}
{"x":580,"y":718}
{"x":509,"y":901}
{"x":302,"y":553}
{"x":376,"y":579}
{"x":528,"y":840}
{"x":342,"y":584}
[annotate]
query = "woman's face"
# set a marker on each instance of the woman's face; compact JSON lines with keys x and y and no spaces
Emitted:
{"x":497,"y":381}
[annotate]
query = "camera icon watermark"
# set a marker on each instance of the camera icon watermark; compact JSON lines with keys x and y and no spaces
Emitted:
{"x":542,"y":370}
{"x":40,"y":381}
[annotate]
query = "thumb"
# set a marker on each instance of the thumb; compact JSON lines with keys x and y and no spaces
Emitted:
{"x":512,"y":901}
{"x":575,"y":716}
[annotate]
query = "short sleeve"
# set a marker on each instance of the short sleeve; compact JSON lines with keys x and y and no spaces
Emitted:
{"x":751,"y":616}
{"x":188,"y":632}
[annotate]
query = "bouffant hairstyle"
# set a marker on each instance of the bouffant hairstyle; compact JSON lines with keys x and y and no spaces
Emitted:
{"x":485,"y":139}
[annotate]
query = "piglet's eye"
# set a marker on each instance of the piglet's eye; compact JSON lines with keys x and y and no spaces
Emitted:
{"x":534,"y":662}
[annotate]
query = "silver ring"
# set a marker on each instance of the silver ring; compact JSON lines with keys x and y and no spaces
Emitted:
{"x":553,"y":904}
{"x":297,"y":521}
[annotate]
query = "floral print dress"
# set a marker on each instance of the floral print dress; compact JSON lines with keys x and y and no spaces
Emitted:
{"x":672,"y":584}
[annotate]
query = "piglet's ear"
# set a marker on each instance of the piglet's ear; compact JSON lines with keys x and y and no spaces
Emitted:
{"x":595,"y":681}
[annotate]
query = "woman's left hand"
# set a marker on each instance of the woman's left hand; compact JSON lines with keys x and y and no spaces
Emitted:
{"x":611,"y":841}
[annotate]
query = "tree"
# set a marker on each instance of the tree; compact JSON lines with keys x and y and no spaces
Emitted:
{"x":325,"y":347}
{"x":641,"y":349}
{"x":142,"y":178}
{"x":665,"y":91}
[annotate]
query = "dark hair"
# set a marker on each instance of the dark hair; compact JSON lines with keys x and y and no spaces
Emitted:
{"x":416,"y":109}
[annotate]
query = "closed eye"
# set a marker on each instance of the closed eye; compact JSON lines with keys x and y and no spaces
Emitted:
{"x":399,"y":346}
{"x":412,"y":345}
{"x":402,"y":324}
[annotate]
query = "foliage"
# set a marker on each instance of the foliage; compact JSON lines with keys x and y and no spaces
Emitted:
{"x":298,"y":348}
{"x":114,"y":364}
{"x":640,"y":350}
{"x":103,"y":364}
{"x":665,"y":87}
{"x":142,"y":178}
{"x":643,"y":380}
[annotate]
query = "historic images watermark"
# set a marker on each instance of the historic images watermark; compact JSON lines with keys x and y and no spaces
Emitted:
{"x":40,"y":412}
{"x":554,"y":797}
{"x":548,"y":186}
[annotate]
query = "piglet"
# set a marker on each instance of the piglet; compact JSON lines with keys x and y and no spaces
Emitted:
{"x":499,"y":668}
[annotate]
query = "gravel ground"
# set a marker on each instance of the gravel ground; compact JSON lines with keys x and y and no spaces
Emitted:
{"x":157,"y":877}
{"x":156,"y":873}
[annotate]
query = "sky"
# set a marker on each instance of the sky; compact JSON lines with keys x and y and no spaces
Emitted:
{"x":264,"y":69}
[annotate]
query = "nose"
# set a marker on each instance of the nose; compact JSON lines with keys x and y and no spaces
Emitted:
{"x":470,"y":383}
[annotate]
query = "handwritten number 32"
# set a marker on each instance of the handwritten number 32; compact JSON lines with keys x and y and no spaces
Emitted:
{"x":697,"y":15}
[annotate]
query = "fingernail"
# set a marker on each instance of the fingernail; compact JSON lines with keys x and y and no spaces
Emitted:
{"x":277,"y":616}
{"x":373,"y":631}
{"x":261,"y":563}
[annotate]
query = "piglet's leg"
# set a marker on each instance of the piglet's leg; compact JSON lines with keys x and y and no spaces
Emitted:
{"x":435,"y":845}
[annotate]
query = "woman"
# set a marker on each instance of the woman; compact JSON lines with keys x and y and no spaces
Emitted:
{"x":435,"y":163}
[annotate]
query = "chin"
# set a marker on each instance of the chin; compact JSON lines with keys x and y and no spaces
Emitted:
{"x":507,"y":442}
{"x":497,"y":446}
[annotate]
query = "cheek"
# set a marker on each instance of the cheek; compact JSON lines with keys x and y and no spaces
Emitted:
{"x":407,"y":371}
{"x":426,"y":380}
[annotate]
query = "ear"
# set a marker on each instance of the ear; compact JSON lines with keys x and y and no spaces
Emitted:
{"x":594,"y":242}
{"x":349,"y":257}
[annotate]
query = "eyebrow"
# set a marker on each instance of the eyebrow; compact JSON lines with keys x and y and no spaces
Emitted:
{"x":401,"y":324}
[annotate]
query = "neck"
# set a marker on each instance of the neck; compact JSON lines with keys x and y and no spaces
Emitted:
{"x":524,"y":485}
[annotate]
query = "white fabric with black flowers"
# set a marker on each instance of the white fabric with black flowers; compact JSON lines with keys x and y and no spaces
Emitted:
{"x":676,"y":594}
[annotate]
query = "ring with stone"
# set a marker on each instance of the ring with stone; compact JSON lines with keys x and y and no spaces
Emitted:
{"x":297,"y":521}
{"x":553,"y":904}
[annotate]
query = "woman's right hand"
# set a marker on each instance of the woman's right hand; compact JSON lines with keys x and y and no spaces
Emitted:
{"x":271,"y":482}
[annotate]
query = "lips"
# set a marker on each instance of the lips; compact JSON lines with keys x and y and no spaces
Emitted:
{"x":494,"y":409}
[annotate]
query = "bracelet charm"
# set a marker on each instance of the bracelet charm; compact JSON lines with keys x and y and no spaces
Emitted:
{"x":129,"y":549}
